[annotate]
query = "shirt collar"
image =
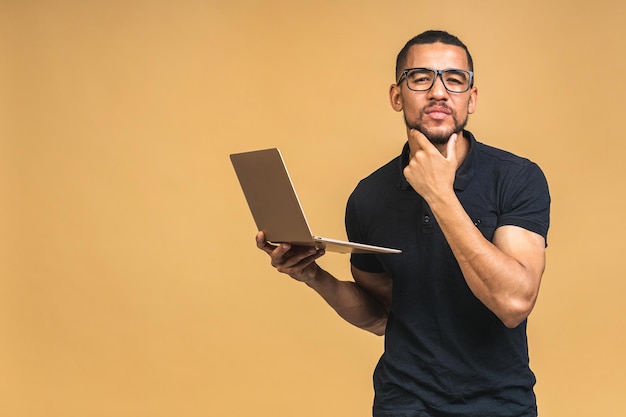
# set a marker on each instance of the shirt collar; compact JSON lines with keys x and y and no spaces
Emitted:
{"x":463,"y":174}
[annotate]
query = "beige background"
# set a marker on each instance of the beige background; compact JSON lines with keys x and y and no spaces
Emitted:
{"x":130,"y":284}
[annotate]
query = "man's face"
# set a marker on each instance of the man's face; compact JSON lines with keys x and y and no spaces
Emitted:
{"x":437,"y":113}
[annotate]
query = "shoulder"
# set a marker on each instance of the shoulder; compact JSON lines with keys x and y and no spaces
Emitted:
{"x":488,"y":152}
{"x":506,"y":165}
{"x":519,"y":188}
{"x":386,"y":177}
{"x":389,"y":171}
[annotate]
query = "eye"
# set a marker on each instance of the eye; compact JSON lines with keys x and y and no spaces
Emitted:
{"x":456,"y":77}
{"x":420,"y":76}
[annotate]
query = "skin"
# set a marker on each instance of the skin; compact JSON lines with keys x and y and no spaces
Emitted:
{"x":505,"y":274}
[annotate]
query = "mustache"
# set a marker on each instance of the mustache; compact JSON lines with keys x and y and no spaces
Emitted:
{"x":438,"y":105}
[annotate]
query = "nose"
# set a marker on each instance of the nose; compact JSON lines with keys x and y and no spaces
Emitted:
{"x":438,"y":90}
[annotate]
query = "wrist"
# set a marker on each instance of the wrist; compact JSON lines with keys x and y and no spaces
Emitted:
{"x":442,"y":200}
{"x":316,"y":277}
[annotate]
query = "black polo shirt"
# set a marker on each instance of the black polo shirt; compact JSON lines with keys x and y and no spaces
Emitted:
{"x":446,"y":354}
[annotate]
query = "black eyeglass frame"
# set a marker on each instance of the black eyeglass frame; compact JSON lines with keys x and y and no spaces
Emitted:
{"x":438,"y":73}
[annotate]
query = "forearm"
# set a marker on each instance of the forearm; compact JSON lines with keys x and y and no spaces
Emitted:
{"x":353,"y":303}
{"x":506,"y":286}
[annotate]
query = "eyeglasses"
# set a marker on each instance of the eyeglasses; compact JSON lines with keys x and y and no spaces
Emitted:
{"x":423,"y":79}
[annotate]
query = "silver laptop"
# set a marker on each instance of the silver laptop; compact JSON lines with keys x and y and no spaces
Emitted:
{"x":275,"y":206}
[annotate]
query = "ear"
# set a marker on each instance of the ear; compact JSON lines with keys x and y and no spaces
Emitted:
{"x":473,"y":100}
{"x":395,"y":98}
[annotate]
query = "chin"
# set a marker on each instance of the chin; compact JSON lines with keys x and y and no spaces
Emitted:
{"x":437,"y":137}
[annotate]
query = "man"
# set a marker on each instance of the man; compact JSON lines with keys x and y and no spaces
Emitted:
{"x":472,"y":223}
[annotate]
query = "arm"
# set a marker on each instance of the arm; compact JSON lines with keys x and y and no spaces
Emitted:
{"x":363,"y":303}
{"x":504,"y":274}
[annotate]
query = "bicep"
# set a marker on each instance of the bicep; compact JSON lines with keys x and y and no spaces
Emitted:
{"x":375,"y":283}
{"x":526,"y":247}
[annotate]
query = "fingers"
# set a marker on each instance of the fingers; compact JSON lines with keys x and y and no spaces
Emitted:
{"x":419,"y":139}
{"x":287,"y":258}
{"x":295,"y":260}
{"x":263,"y":244}
{"x":275,"y":251}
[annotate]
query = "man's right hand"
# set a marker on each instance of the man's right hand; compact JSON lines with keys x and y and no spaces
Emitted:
{"x":296,"y":261}
{"x":362,"y":302}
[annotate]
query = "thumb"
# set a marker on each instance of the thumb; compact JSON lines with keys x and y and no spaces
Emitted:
{"x":451,"y":147}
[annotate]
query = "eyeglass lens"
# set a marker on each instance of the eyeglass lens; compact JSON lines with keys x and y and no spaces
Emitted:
{"x":422,"y":79}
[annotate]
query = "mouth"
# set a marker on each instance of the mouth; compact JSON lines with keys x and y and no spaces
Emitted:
{"x":438,"y":111}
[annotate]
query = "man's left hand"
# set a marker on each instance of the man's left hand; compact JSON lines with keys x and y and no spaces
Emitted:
{"x":430,"y":172}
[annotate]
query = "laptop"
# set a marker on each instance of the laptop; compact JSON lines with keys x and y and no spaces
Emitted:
{"x":276,"y":208}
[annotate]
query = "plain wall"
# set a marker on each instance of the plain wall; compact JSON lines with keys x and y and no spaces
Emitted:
{"x":130,"y":284}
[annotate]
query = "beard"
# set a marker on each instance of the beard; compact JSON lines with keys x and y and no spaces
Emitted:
{"x":436,"y":137}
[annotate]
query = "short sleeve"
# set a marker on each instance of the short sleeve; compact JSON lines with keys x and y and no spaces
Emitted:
{"x":356,"y":233}
{"x":526,"y":202}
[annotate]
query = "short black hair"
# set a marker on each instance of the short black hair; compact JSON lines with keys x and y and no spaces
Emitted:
{"x":428,"y":37}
